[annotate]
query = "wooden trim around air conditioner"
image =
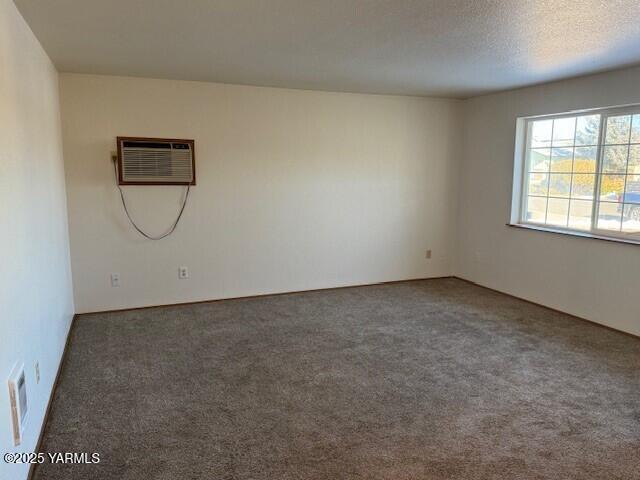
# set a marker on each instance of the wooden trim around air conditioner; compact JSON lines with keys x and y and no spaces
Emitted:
{"x":119,"y":141}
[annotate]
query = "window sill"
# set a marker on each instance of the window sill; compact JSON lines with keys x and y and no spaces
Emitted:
{"x":572,"y":233}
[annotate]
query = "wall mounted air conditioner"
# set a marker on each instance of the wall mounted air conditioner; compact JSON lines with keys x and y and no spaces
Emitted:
{"x":156,"y":161}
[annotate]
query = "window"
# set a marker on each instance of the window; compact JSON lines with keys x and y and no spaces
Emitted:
{"x":580,"y":173}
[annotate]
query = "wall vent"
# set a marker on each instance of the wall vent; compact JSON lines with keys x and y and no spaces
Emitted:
{"x":156,"y":161}
{"x":18,"y":402}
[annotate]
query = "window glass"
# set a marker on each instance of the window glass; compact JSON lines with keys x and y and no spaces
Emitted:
{"x":582,"y":172}
{"x":561,"y":170}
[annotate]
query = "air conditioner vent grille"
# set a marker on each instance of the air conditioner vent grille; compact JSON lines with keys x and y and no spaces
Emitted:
{"x":155,"y":161}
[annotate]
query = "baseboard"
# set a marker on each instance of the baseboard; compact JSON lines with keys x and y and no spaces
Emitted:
{"x":264,"y":295}
{"x":54,"y":387}
{"x":549,"y":308}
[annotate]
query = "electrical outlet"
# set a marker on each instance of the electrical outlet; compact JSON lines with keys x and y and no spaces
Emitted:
{"x":183,"y":272}
{"x":37,"y":372}
{"x":428,"y":254}
{"x":115,"y":279}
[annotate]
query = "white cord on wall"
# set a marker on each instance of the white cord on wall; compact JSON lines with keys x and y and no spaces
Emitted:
{"x":126,"y":210}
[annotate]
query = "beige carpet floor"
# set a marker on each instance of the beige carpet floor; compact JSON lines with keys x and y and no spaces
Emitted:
{"x":435,"y":379}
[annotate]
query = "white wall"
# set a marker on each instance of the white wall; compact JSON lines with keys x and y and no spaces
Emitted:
{"x":36,"y":304}
{"x":296,"y":190}
{"x":593,"y":279}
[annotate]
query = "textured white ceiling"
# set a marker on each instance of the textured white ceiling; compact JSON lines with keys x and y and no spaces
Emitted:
{"x":455,"y":48}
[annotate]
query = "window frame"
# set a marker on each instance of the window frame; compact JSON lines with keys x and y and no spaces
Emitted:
{"x":521,"y":173}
